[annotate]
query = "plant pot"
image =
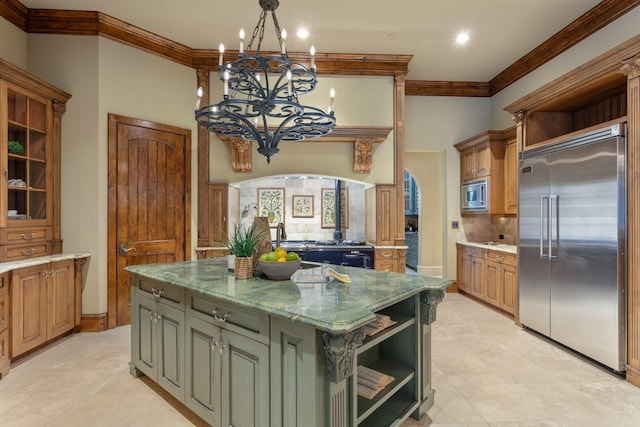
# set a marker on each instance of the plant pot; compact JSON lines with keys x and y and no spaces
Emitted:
{"x":243,"y":268}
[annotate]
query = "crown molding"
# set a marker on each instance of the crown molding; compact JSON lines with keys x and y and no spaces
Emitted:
{"x":48,"y":21}
{"x":444,"y":88}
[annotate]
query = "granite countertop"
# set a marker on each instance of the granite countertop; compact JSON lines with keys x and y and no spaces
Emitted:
{"x":513,"y":249}
{"x":31,"y":262}
{"x":330,"y":306}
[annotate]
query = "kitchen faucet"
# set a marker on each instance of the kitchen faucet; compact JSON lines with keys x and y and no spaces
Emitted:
{"x":280,"y":234}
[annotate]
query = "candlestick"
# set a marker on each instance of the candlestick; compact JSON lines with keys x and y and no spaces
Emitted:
{"x":283,"y":35}
{"x":221,"y":50}
{"x":199,"y":92}
{"x":226,"y":82}
{"x":241,"y":41}
{"x":332,"y":94}
{"x":289,"y":84}
{"x":313,"y":57}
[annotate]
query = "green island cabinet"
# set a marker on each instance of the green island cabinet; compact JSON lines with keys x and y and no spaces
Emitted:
{"x":283,"y":353}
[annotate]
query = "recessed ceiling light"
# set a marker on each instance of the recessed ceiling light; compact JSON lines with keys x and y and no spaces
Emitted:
{"x":462,"y":38}
{"x":391,"y":36}
{"x":303,"y":33}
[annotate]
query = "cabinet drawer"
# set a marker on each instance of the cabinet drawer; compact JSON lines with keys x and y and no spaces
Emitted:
{"x":10,"y":236}
{"x":501,"y":257}
{"x":22,"y":251}
{"x":247,"y":322}
{"x":162,"y":292}
{"x":382,"y":254}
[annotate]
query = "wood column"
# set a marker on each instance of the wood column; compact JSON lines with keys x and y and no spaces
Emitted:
{"x":632,"y":69}
{"x":398,"y":138}
{"x":59,"y":108}
{"x":203,"y":164}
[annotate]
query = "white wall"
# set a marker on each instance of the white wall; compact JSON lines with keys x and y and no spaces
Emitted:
{"x":105,"y":77}
{"x":360,"y":101}
{"x":433,"y":126}
{"x":13,"y":44}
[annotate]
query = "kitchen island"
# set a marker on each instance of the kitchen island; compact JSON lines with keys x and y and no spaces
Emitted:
{"x":284,"y":353}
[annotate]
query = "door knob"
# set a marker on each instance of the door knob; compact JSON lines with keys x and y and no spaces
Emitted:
{"x":124,"y":249}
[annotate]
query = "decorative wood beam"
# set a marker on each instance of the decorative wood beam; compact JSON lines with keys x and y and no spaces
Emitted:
{"x":593,"y":20}
{"x":363,"y":138}
{"x":444,"y":88}
{"x":326,"y":63}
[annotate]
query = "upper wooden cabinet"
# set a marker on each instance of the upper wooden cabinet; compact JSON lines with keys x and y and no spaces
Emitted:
{"x":30,"y":116}
{"x":510,"y":172}
{"x":578,"y":108}
{"x":482,"y":157}
{"x":475,"y":161}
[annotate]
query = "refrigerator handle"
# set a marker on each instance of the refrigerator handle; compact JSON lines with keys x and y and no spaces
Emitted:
{"x":551,"y":227}
{"x":542,"y":218}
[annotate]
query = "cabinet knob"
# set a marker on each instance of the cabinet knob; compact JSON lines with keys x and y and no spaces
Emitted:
{"x":222,"y":345}
{"x":157,"y":292}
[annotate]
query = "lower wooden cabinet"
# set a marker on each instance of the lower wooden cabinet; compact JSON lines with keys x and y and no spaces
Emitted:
{"x":5,"y":360}
{"x":386,"y":260}
{"x":489,"y":275}
{"x":42,"y":304}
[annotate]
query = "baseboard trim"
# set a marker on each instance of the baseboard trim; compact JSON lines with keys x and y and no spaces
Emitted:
{"x":93,"y":322}
{"x":633,"y":375}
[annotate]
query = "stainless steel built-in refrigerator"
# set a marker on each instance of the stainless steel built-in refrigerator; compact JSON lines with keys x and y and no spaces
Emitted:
{"x":572,"y":225}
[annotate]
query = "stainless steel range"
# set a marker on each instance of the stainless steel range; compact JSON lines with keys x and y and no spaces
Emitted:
{"x":353,"y":253}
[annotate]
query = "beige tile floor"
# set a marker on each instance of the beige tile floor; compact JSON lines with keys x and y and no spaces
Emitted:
{"x":487,"y":372}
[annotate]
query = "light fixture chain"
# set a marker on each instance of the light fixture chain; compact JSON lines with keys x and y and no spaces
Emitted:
{"x":277,"y":26}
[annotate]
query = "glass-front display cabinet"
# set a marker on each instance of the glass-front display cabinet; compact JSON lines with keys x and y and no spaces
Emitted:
{"x":30,"y":116}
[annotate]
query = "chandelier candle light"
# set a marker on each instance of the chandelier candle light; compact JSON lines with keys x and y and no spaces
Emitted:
{"x":260,"y":94}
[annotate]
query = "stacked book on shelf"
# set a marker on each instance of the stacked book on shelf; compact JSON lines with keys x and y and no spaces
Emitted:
{"x":381,"y":323}
{"x":371,"y":382}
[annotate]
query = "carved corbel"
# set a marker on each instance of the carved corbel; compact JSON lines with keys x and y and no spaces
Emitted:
{"x":241,"y":155}
{"x":362,"y":155}
{"x":429,"y":300}
{"x":340,"y":350}
{"x":631,"y":67}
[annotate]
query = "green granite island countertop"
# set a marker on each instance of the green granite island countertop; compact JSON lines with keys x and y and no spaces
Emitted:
{"x":330,"y":306}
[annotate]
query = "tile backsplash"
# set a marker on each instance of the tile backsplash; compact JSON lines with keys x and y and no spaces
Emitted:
{"x":482,"y":229}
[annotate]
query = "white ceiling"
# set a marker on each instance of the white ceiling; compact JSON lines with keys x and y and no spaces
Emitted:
{"x":501,"y":31}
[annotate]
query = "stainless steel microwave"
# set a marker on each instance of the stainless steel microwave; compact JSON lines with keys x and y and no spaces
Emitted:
{"x":474,"y":196}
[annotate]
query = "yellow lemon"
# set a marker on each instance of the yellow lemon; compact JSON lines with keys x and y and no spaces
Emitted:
{"x":282,"y":260}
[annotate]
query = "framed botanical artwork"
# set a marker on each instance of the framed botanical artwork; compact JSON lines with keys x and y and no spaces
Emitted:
{"x":302,"y":206}
{"x":271,"y":205}
{"x":328,"y":209}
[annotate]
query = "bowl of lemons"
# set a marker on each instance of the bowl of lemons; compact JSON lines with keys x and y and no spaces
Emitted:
{"x":279,"y":264}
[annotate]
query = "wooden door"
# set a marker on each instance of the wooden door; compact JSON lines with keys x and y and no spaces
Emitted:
{"x":149,"y":199}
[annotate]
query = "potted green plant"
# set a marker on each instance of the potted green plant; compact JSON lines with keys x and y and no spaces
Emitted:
{"x":242,"y":243}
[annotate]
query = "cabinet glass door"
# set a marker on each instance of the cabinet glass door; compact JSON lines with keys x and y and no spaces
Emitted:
{"x":26,"y":157}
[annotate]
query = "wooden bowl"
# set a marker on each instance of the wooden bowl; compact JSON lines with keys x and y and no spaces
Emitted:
{"x":279,"y":270}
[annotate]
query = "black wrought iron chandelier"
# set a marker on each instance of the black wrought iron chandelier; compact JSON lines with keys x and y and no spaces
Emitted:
{"x":260,"y":100}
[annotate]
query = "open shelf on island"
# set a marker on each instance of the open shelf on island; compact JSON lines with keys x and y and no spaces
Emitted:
{"x":402,"y":376}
